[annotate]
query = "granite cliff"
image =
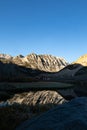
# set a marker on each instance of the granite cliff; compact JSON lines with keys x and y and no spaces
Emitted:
{"x":22,"y":68}
{"x":46,"y":63}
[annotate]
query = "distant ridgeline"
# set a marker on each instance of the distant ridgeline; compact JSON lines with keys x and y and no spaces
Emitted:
{"x":28,"y":68}
{"x":35,"y":67}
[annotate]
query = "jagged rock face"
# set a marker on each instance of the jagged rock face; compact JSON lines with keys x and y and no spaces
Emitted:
{"x":68,"y":116}
{"x":22,"y":68}
{"x":38,"y":97}
{"x":46,"y":63}
{"x":5,"y":56}
{"x":42,"y":62}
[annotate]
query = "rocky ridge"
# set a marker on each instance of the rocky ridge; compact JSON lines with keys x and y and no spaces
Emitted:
{"x":5,"y":56}
{"x":46,"y":63}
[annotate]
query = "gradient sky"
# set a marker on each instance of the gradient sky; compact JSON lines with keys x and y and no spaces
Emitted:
{"x":57,"y":27}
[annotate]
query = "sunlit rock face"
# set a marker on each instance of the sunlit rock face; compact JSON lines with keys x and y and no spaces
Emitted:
{"x":82,"y":60}
{"x":46,"y":63}
{"x":5,"y":56}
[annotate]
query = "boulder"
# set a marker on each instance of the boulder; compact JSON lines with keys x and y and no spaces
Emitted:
{"x":68,"y":116}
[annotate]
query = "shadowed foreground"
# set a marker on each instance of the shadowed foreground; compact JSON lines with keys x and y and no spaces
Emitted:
{"x":25,"y":106}
{"x":69,"y":116}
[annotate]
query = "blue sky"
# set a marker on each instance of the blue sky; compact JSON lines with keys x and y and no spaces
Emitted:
{"x":57,"y":27}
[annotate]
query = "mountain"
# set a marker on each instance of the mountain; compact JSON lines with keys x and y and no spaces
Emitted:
{"x":5,"y":56}
{"x":46,"y":63}
{"x":44,"y":67}
{"x":21,"y":68}
{"x":82,"y":60}
{"x":76,"y":71}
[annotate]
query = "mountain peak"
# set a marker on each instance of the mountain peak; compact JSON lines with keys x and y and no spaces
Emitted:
{"x":82,"y":60}
{"x":5,"y":56}
{"x":41,"y":62}
{"x":19,"y":56}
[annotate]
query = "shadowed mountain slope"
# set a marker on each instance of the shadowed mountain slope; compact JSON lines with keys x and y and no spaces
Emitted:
{"x":79,"y":67}
{"x":74,"y":71}
{"x":13,"y":72}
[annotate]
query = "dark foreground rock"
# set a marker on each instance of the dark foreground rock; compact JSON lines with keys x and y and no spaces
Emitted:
{"x":27,"y":105}
{"x":68,"y":116}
